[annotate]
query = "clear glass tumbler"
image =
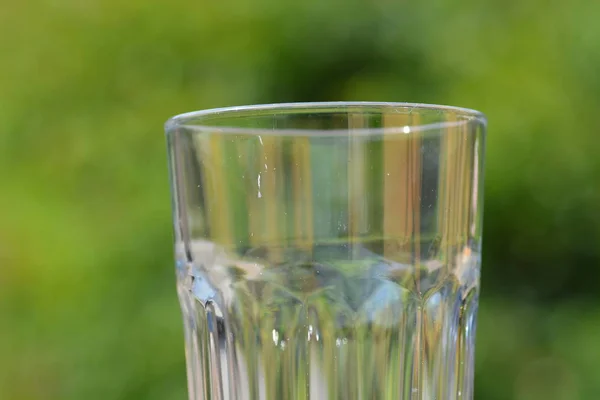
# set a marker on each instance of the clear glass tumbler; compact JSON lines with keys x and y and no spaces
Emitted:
{"x":328,"y":250}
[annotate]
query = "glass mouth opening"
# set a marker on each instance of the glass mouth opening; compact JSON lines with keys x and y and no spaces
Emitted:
{"x":326,"y":119}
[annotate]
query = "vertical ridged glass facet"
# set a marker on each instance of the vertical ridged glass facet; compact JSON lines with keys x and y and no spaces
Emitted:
{"x":328,"y":251}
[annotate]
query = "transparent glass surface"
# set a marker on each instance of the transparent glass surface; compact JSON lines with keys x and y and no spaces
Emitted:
{"x":328,"y":250}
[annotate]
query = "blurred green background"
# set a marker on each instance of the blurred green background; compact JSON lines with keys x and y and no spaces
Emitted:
{"x":88,"y":307}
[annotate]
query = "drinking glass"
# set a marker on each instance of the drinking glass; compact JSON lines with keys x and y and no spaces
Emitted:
{"x":328,"y":250}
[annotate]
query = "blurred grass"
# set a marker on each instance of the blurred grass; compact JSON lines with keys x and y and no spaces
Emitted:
{"x":87,"y":300}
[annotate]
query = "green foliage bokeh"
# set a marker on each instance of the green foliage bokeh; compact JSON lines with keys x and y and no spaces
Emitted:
{"x":88,"y":308}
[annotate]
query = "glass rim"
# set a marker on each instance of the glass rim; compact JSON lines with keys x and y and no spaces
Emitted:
{"x":194,"y":120}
